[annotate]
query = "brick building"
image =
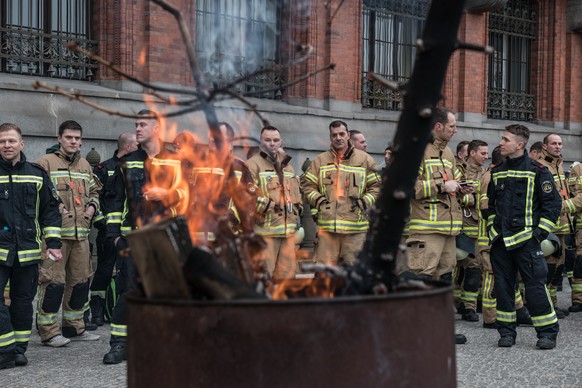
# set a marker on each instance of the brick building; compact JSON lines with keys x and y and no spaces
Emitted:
{"x":534,"y":74}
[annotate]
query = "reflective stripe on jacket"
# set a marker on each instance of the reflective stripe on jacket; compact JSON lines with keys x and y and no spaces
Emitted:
{"x":566,"y":221}
{"x":432,"y":209}
{"x":75,"y":184}
{"x":470,"y":204}
{"x":342,"y":190}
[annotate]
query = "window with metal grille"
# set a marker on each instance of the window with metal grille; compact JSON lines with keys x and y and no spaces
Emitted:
{"x":390,"y":30}
{"x":512,"y":31}
{"x":34,"y":35}
{"x":234,"y":38}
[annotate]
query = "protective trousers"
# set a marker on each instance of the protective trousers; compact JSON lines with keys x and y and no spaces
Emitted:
{"x":529,"y":261}
{"x":577,"y":273}
{"x":555,"y":264}
{"x":105,"y":264}
{"x":126,"y":281}
{"x":335,"y":248}
{"x":279,"y":257}
{"x":431,"y":254}
{"x":467,"y":286}
{"x":64,"y":282}
{"x":16,"y":320}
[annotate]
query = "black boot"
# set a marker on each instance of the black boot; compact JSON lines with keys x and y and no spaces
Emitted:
{"x":116,"y":354}
{"x":460,"y":339}
{"x":7,"y":360}
{"x":470,"y":315}
{"x":88,"y":325}
{"x":97,"y":312}
{"x":523,"y":317}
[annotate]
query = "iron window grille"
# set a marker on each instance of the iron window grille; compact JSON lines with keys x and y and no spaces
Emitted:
{"x":34,"y":35}
{"x":512,"y":31}
{"x":234,"y":38}
{"x":390,"y":30}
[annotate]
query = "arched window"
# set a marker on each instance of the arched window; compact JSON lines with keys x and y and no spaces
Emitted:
{"x":512,"y":31}
{"x":390,"y":30}
{"x":34,"y":35}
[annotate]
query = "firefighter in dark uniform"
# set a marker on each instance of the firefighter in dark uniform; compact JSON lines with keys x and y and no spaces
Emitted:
{"x":28,"y":211}
{"x":524,"y":206}
{"x":144,"y":168}
{"x":126,"y":143}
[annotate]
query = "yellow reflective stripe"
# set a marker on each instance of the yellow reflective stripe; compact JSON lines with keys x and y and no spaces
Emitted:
{"x":342,"y":225}
{"x":119,"y":330}
{"x":420,"y":224}
{"x":46,"y":319}
{"x":576,"y":287}
{"x":470,"y":296}
{"x":134,"y":164}
{"x":207,"y":170}
{"x":369,"y":198}
{"x":570,"y":206}
{"x":311,"y":177}
{"x":518,"y":237}
{"x":279,"y":230}
{"x":546,"y":225}
{"x":114,"y":217}
{"x":544,"y":320}
{"x":438,"y":163}
{"x":22,"y":336}
{"x":166,"y":162}
{"x":3,"y":254}
{"x":518,"y":297}
{"x":73,"y":315}
{"x":51,"y":232}
{"x":27,"y":179}
{"x":100,"y":294}
{"x":31,"y":255}
{"x":426,"y":189}
{"x":206,"y":236}
{"x":506,"y":316}
{"x":7,"y":339}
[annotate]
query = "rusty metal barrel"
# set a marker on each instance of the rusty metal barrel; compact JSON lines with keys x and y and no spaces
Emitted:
{"x":403,"y":339}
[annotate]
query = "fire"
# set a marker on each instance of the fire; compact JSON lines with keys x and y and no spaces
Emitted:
{"x":321,"y":285}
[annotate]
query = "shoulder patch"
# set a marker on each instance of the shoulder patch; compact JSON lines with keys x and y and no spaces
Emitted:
{"x":537,"y":164}
{"x":547,"y":186}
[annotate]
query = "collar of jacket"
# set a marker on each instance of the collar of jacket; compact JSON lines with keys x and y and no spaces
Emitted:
{"x":440,"y":143}
{"x":347,"y":154}
{"x":472,"y":167}
{"x":9,"y":166}
{"x":516,"y":161}
{"x":282,"y":157}
{"x":71,"y":159}
{"x":550,"y":159}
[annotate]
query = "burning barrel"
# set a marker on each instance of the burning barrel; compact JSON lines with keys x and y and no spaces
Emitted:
{"x":402,"y":339}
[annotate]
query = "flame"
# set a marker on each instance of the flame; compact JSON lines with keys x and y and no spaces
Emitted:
{"x":321,"y":285}
{"x":142,"y":57}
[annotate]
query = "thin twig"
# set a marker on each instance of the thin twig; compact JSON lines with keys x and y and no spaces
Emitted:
{"x":335,"y":12}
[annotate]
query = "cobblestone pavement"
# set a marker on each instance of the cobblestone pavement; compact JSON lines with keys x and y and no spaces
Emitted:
{"x":480,"y":363}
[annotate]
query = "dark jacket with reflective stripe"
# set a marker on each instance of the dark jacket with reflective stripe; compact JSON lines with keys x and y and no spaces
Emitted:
{"x":125,"y":191}
{"x":523,"y":202}
{"x":29,"y":210}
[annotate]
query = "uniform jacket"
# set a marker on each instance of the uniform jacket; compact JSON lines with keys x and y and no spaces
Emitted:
{"x":565,"y":223}
{"x":103,"y":171}
{"x":73,"y":179}
{"x":432,"y":209}
{"x":523,"y":202}
{"x":29,"y":210}
{"x":125,"y":204}
{"x":575,"y":190}
{"x":470,"y":205}
{"x":341,"y":190}
{"x":483,"y":238}
{"x":279,"y":202}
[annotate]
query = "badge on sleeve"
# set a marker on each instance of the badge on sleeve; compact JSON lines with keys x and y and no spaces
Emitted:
{"x":547,"y":186}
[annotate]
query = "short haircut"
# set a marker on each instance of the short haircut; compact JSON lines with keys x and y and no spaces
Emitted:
{"x":229,"y":130}
{"x":461,"y":145}
{"x":389,"y":148}
{"x":269,"y":128}
{"x":124,"y":139}
{"x":547,"y":137}
{"x":70,"y":124}
{"x":148,"y":112}
{"x":519,"y":130}
{"x":338,"y":123}
{"x":537,"y":146}
{"x":354,"y":132}
{"x":441,"y":115}
{"x":10,"y":127}
{"x":475,"y":144}
{"x":496,"y":157}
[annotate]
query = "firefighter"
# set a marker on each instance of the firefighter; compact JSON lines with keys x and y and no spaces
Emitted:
{"x":29,"y":210}
{"x":435,"y":217}
{"x":575,"y":203}
{"x":66,"y":281}
{"x":483,"y":253}
{"x":471,"y":173}
{"x":551,"y":158}
{"x":524,"y":206}
{"x":340,"y":185}
{"x":279,"y":205}
{"x":126,"y":143}
{"x":146,"y":168}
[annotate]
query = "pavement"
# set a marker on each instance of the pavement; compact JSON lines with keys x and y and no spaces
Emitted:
{"x":480,"y":363}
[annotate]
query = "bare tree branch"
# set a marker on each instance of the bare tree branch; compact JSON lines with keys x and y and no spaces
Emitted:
{"x":335,"y":12}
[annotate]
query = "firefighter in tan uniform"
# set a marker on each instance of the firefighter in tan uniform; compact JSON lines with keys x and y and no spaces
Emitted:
{"x":552,"y":159}
{"x":435,"y":217}
{"x":575,"y":203}
{"x":279,"y":203}
{"x":66,"y":281}
{"x":471,"y":173}
{"x":340,"y":185}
